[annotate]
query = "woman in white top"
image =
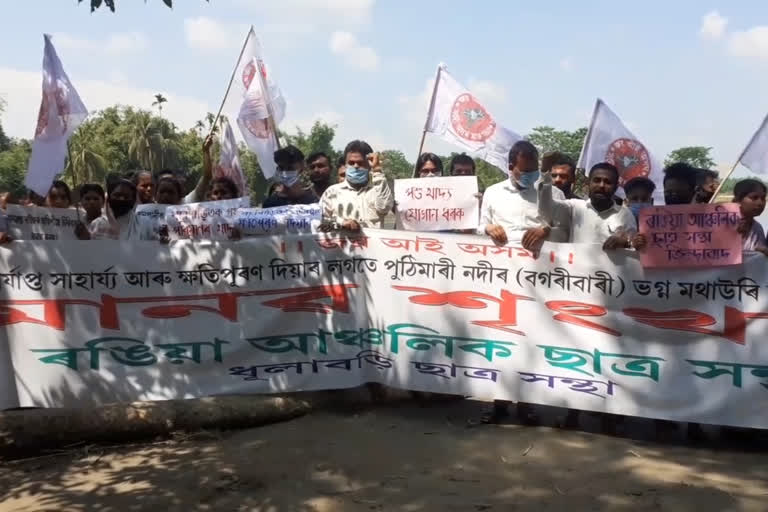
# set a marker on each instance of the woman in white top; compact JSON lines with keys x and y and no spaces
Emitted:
{"x":118,"y":221}
{"x":750,"y":194}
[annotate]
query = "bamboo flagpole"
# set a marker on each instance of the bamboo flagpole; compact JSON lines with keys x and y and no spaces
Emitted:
{"x":741,"y":155}
{"x":74,"y":178}
{"x":251,"y":33}
{"x":429,"y":115}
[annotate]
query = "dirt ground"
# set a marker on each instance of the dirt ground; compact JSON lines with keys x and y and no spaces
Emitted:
{"x":409,"y":457}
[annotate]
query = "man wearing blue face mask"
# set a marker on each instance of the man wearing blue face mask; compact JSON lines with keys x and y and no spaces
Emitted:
{"x":291,"y":190}
{"x":363,"y":199}
{"x":510,"y":212}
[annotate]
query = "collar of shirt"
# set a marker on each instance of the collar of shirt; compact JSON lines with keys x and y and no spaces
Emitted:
{"x":614,"y":208}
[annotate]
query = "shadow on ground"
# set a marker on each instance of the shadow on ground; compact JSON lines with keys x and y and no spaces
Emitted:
{"x":405,"y":457}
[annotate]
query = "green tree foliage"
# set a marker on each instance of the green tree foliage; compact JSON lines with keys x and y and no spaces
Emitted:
{"x":395,"y":165}
{"x":697,"y":156}
{"x":547,"y":139}
{"x":13,"y":166}
{"x":319,"y":138}
{"x":95,"y":4}
{"x":159,"y":100}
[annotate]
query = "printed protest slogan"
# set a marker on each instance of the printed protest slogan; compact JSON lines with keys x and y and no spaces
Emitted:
{"x":90,"y":322}
{"x":211,"y":220}
{"x":439,"y":203}
{"x":38,"y":223}
{"x":695,"y":235}
{"x":279,"y":220}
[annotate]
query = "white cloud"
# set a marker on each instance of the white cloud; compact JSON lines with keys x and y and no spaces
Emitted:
{"x":22,"y":90}
{"x":346,"y":45}
{"x":487,"y":90}
{"x":328,"y":116}
{"x":208,"y":34}
{"x":119,"y":43}
{"x":713,"y":26}
{"x":414,"y":107}
{"x":566,"y":64}
{"x":750,"y":43}
{"x":319,"y":12}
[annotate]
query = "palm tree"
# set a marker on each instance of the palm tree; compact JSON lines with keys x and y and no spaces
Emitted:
{"x":145,"y":144}
{"x":199,"y":126}
{"x":85,"y":164}
{"x":153,"y":142}
{"x":159,"y":100}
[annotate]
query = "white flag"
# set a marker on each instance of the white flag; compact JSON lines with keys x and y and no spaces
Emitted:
{"x":608,"y":140}
{"x":755,"y":155}
{"x":61,"y":112}
{"x":229,"y":160}
{"x":456,"y":116}
{"x":253,"y":116}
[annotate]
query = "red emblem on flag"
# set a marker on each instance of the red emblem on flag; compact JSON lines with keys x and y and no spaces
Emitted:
{"x":631,"y":159}
{"x":470,"y":120}
{"x":249,"y":71}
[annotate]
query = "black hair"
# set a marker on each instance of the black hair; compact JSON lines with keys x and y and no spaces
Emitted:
{"x":639,"y":182}
{"x":173,"y":181}
{"x":605,"y":166}
{"x":560,"y":159}
{"x":522,"y":147}
{"x":228,"y":183}
{"x":429,"y":157}
{"x":702,"y":175}
{"x":683,"y":172}
{"x":135,"y":175}
{"x":462,"y":159}
{"x":62,"y":186}
{"x":287,"y":157}
{"x":91,"y":187}
{"x":341,"y":162}
{"x":746,"y":187}
{"x":316,"y":155}
{"x":358,"y":146}
{"x":113,"y":184}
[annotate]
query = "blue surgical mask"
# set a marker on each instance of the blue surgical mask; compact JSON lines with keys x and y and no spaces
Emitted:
{"x":357,"y":175}
{"x":528,"y":179}
{"x":636,"y":207}
{"x":288,"y":178}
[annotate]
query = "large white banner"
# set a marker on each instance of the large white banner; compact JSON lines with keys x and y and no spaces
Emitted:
{"x":90,"y":322}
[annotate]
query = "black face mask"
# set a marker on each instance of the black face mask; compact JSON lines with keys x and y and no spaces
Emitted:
{"x":120,"y":207}
{"x":676,"y":199}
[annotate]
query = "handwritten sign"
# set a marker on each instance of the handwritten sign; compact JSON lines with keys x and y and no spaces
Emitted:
{"x":212,"y":220}
{"x":38,"y":223}
{"x":697,"y":235}
{"x":279,"y":220}
{"x":436,"y":204}
{"x":150,"y":218}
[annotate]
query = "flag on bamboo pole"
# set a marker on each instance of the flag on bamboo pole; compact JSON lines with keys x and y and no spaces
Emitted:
{"x":609,"y":140}
{"x":229,"y":160}
{"x":458,"y":117}
{"x":755,"y":155}
{"x":262,"y":107}
{"x":61,"y":112}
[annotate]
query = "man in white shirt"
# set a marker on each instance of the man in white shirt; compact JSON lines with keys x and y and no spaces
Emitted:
{"x":510,"y":210}
{"x":363,"y":199}
{"x":598,"y":220}
{"x":510,"y":214}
